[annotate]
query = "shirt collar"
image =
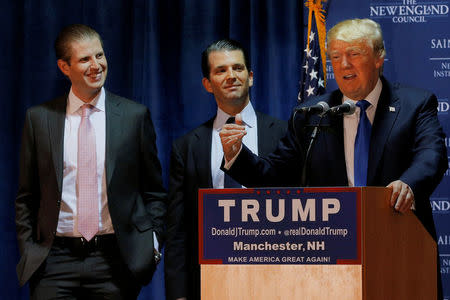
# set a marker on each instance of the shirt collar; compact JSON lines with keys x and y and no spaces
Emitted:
{"x":373,"y":96}
{"x":248,"y":117}
{"x":74,"y":103}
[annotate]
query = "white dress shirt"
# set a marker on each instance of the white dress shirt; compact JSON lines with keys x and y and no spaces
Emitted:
{"x":250,"y":140}
{"x":351,"y":127}
{"x":67,"y":222}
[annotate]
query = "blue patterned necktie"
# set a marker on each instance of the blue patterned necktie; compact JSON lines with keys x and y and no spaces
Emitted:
{"x":362,"y":145}
{"x":228,"y":181}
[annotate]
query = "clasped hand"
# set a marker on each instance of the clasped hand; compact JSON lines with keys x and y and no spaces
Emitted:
{"x":231,"y":137}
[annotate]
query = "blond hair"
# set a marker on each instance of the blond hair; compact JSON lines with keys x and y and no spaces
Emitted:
{"x":359,"y":29}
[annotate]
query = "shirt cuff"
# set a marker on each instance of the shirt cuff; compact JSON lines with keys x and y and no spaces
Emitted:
{"x":227,"y":165}
{"x":155,"y":242}
{"x":413,"y":205}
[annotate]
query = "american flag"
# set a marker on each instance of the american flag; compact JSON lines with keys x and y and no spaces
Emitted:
{"x":313,"y":76}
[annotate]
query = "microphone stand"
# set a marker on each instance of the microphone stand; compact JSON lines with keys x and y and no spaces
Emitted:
{"x":314,"y":134}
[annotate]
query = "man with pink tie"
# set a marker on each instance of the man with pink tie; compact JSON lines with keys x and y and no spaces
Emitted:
{"x":90,"y":205}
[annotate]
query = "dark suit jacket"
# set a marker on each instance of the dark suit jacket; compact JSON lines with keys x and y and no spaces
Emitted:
{"x":407,"y":143}
{"x":136,"y":197}
{"x":190,"y":170}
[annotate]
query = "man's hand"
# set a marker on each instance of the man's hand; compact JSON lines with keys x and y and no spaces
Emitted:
{"x":402,"y":196}
{"x":231,"y":136}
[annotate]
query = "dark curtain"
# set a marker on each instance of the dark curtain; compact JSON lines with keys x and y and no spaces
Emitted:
{"x":153,"y":50}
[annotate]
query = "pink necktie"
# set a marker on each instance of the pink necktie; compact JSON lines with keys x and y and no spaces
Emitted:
{"x":87,"y":177}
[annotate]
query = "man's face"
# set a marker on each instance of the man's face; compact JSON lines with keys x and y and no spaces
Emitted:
{"x":356,"y":67}
{"x":229,"y":79}
{"x":87,"y":68}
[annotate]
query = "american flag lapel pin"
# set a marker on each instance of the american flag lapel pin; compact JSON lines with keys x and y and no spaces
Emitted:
{"x":391,"y":108}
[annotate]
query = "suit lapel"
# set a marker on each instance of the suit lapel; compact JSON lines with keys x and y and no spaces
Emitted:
{"x":387,"y":111}
{"x":113,"y":132}
{"x":202,"y":153}
{"x":56,"y":122}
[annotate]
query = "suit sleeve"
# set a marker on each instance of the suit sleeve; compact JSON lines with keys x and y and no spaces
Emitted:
{"x":27,"y":200}
{"x":175,"y":251}
{"x":152,"y":189}
{"x":429,"y":154}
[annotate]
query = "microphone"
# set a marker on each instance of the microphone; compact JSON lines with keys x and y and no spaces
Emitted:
{"x":320,"y":108}
{"x":346,"y":108}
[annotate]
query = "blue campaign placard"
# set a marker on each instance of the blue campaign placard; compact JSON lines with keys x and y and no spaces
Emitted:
{"x":280,"y":226}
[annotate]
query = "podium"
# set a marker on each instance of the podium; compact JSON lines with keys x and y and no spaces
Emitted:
{"x":396,"y":258}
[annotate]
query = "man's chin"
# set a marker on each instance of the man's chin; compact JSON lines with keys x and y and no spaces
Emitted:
{"x":234,"y":95}
{"x":93,"y":90}
{"x":96,"y":85}
{"x":237,"y":100}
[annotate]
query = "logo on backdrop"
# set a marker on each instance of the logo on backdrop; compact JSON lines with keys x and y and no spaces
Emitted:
{"x":447,"y":173}
{"x":440,"y":59}
{"x":444,"y":240}
{"x":330,"y":73}
{"x":445,"y":265}
{"x":440,"y":205}
{"x":409,"y":11}
{"x":443,"y":107}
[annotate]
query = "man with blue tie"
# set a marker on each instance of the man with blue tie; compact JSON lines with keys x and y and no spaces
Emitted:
{"x":394,"y":139}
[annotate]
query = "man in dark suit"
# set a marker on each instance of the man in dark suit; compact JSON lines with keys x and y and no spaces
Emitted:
{"x":196,"y":159}
{"x":90,"y":204}
{"x":406,"y":150}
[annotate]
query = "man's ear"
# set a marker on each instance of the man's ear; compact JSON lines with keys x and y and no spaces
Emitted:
{"x":207,"y":84}
{"x":63,"y":66}
{"x":250,"y":78}
{"x":379,"y":63}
